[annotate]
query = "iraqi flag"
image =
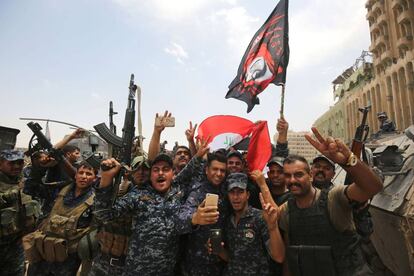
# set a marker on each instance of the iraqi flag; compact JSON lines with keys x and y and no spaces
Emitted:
{"x":225,"y":131}
{"x":265,"y":60}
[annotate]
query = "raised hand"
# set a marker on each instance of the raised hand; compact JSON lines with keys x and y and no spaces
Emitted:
{"x":161,"y":126}
{"x":78,"y":133}
{"x":258,"y":177}
{"x":108,"y":174}
{"x":270,"y":213}
{"x":282,"y":125}
{"x":205,"y":215}
{"x":202,"y":148}
{"x":334,"y":149}
{"x":190,"y":132}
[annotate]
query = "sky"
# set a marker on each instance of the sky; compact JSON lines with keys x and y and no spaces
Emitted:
{"x":65,"y":60}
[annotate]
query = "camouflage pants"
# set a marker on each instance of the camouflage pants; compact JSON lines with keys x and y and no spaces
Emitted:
{"x":69,"y":267}
{"x":11,"y":258}
{"x":101,"y":266}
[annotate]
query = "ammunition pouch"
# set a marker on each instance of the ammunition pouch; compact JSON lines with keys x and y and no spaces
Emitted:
{"x":113,"y":244}
{"x":10,"y":219}
{"x":305,"y":260}
{"x":38,"y":246}
{"x":62,"y":226}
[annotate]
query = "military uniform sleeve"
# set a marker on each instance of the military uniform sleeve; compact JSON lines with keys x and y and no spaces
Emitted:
{"x":104,"y":210}
{"x":340,"y":210}
{"x":264,"y":232}
{"x":282,"y":150}
{"x":184,"y":217}
{"x":35,"y":187}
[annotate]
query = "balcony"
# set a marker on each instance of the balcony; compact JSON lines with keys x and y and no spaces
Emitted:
{"x":382,"y":19}
{"x":386,"y":57}
{"x":395,"y":4}
{"x":378,"y":5}
{"x":370,"y":16}
{"x":374,"y":27}
{"x":405,"y":42}
{"x":368,"y":4}
{"x":405,"y":16}
{"x":381,"y":40}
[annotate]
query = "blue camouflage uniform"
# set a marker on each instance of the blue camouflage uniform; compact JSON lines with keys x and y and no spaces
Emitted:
{"x":153,"y":245}
{"x":247,"y":244}
{"x":197,"y":261}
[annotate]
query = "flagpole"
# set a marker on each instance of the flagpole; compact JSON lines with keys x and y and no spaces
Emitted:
{"x":282,"y":100}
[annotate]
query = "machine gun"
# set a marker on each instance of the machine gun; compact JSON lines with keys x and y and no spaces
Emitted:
{"x":40,"y":142}
{"x":124,"y":144}
{"x":360,"y":137}
{"x":112,"y":126}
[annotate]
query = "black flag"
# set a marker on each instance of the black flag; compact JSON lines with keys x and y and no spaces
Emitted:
{"x":265,"y":60}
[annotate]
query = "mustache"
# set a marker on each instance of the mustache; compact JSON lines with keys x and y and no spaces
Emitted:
{"x":320,"y":173}
{"x":294,"y":184}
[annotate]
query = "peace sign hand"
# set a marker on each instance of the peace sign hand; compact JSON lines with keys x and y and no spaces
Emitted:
{"x":332,"y":148}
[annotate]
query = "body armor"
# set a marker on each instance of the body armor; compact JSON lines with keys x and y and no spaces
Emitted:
{"x":316,"y":247}
{"x":58,"y":235}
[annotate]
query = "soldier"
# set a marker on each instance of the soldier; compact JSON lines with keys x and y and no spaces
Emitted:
{"x":113,"y":237}
{"x":197,"y":261}
{"x":249,"y":235}
{"x":52,"y":249}
{"x":317,"y":224}
{"x":322,"y":170}
{"x":153,"y":245}
{"x":276,"y":180}
{"x":385,"y":124}
{"x":18,"y":213}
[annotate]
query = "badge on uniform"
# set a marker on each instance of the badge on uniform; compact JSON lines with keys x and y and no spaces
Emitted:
{"x":249,"y":234}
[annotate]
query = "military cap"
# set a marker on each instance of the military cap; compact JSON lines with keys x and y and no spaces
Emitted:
{"x":11,"y":155}
{"x":235,"y":153}
{"x":382,"y":115}
{"x":139,"y":161}
{"x":236,"y":180}
{"x":163,"y":157}
{"x":321,"y":157}
{"x":276,"y":160}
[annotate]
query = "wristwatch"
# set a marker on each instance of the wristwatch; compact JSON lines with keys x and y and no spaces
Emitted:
{"x":352,"y":160}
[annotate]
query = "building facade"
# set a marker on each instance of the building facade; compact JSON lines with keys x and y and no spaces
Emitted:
{"x":299,"y":145}
{"x":386,"y":83}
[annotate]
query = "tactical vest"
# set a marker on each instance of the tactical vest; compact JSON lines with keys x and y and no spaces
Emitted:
{"x":58,"y":235}
{"x":19,"y":215}
{"x":316,"y":247}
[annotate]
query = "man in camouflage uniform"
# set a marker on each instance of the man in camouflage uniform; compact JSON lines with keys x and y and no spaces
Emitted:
{"x":322,"y":170}
{"x":153,"y":245}
{"x":15,"y":210}
{"x":249,"y":235}
{"x":53,"y":247}
{"x":113,"y":237}
{"x":197,"y":261}
{"x":386,"y":125}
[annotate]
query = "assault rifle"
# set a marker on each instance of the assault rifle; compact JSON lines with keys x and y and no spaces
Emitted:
{"x":124,"y":144}
{"x":360,"y":137}
{"x":44,"y":144}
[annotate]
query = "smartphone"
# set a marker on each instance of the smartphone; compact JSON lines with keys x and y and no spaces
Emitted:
{"x":165,"y":121}
{"x":215,"y":240}
{"x":211,"y":200}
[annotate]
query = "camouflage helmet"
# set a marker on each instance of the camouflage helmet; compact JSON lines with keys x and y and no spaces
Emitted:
{"x":11,"y":155}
